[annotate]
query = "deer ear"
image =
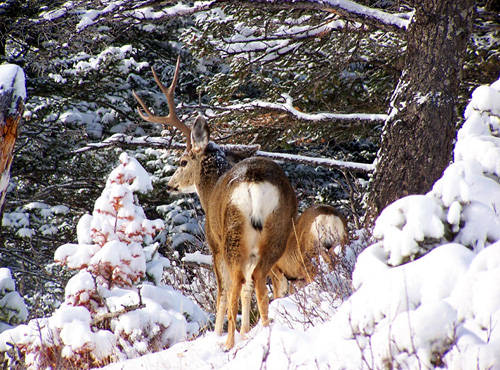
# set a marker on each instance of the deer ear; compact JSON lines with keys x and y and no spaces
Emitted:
{"x":200,"y":134}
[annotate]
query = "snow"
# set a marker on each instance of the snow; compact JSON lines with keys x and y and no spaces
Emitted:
{"x":12,"y":307}
{"x":138,"y":317}
{"x":364,"y":11}
{"x":426,"y":294}
{"x":12,"y":78}
{"x":133,"y":173}
{"x":57,"y":13}
{"x":15,"y":219}
{"x":287,"y":106}
{"x":198,"y":257}
{"x":25,"y":232}
{"x":406,"y":222}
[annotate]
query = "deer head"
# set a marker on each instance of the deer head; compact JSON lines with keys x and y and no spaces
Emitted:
{"x":186,"y":178}
{"x":195,"y":173}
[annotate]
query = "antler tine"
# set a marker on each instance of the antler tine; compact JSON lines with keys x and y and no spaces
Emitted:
{"x":171,"y":119}
{"x":169,"y":95}
{"x":146,"y":115}
{"x":169,"y":92}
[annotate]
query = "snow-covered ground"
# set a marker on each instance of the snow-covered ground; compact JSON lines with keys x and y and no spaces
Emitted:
{"x":426,"y":294}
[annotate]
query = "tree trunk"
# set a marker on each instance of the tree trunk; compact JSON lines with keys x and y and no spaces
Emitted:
{"x":418,"y":135}
{"x":12,"y":95}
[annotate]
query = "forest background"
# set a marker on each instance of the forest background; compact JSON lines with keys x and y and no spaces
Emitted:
{"x":262,"y":75}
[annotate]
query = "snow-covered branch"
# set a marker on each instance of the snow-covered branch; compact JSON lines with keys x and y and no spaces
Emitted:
{"x":288,"y":107}
{"x":346,"y":8}
{"x":123,"y":140}
{"x":295,"y":32}
{"x":142,"y":11}
{"x":315,"y":161}
{"x":283,"y":41}
{"x":166,"y":142}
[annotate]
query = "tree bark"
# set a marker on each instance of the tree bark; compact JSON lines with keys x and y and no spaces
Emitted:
{"x":418,"y":135}
{"x":11,"y":111}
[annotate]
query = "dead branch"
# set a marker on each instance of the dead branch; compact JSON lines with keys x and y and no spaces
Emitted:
{"x":111,"y":315}
{"x":122,"y":140}
{"x":289,"y":108}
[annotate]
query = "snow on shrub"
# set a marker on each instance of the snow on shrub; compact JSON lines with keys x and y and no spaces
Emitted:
{"x":464,"y":204}
{"x":106,"y":315}
{"x":442,"y":308}
{"x":12,"y":307}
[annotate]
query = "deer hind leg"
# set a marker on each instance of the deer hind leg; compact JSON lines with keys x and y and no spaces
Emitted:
{"x":246,"y":300}
{"x":222,"y":292}
{"x":237,"y":280}
{"x":259,"y":277}
{"x":271,"y":248}
{"x":279,"y":281}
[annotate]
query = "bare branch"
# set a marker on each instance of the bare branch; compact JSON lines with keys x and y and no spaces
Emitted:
{"x":289,"y":108}
{"x":162,"y":142}
{"x":314,"y":161}
{"x":111,"y":315}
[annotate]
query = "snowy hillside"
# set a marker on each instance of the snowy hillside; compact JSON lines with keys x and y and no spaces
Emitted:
{"x":426,"y":294}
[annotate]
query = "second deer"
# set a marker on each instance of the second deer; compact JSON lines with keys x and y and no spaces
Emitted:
{"x":249,"y":210}
{"x":317,"y":232}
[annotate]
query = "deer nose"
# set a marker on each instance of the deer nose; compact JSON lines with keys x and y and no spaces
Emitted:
{"x":172,"y":189}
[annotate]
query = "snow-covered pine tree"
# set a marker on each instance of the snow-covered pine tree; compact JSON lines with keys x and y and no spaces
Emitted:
{"x":107,"y":315}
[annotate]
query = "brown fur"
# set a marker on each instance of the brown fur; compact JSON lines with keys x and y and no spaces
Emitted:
{"x":230,"y":232}
{"x":304,"y":245}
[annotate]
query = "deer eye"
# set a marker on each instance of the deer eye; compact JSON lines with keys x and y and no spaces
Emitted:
{"x":183,"y":162}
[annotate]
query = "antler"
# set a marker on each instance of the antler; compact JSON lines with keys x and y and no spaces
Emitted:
{"x":171,"y":119}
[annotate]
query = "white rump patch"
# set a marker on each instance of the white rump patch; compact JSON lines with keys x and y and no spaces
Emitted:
{"x":328,"y":229}
{"x":256,"y":200}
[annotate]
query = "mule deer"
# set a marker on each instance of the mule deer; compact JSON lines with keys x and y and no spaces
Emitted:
{"x":316,"y":232}
{"x":249,"y":210}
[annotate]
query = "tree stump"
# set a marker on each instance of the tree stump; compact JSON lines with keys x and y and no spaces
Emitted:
{"x":12,"y":96}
